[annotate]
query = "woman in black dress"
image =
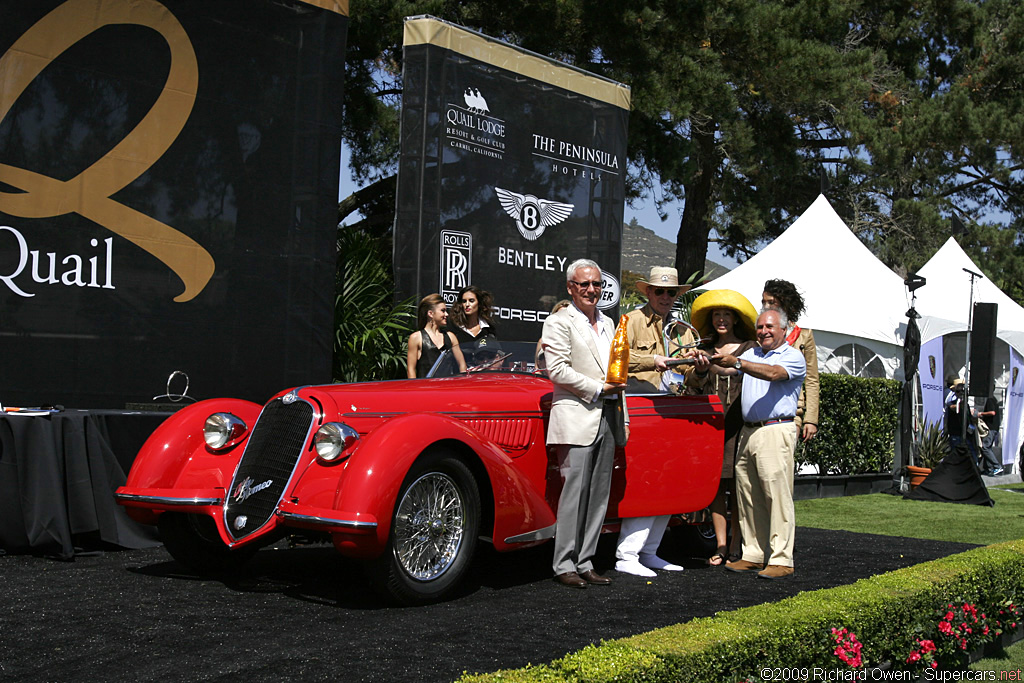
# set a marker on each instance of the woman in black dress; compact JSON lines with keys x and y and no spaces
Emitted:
{"x":426,"y":344}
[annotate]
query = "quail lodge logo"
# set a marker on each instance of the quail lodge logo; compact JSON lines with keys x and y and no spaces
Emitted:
{"x":89,"y":193}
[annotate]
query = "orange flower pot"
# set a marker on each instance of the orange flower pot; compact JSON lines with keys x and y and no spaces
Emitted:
{"x":917,"y":475}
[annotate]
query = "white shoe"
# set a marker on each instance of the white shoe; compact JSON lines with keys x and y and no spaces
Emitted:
{"x":655,"y":562}
{"x":633,"y":567}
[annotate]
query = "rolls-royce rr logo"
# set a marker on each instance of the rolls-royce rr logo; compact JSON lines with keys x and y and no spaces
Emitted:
{"x":532,"y":215}
{"x":456,"y":265}
{"x":246,"y":489}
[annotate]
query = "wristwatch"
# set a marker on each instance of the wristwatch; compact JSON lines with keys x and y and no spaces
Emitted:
{"x":738,"y":364}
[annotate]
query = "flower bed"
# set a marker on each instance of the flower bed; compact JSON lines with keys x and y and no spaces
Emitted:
{"x":930,"y":615}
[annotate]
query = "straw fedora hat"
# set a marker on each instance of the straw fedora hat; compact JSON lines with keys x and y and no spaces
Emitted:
{"x":661,"y":277}
{"x":703,"y":305}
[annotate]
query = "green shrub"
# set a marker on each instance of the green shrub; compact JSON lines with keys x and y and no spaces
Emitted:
{"x":857,"y":424}
{"x":371,"y":331}
{"x":889,"y":614}
{"x":932,"y":446}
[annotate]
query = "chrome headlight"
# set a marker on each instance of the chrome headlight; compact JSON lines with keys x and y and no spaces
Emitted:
{"x":333,"y":439}
{"x":222,"y":430}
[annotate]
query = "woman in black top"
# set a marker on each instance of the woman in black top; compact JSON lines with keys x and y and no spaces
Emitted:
{"x":426,"y":344}
{"x":472,"y":316}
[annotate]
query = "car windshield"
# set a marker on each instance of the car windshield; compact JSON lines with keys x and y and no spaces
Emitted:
{"x":528,"y":357}
{"x":497,"y":356}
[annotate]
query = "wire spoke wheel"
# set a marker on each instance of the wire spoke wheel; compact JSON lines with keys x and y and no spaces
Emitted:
{"x":429,"y":526}
{"x":434,"y":529}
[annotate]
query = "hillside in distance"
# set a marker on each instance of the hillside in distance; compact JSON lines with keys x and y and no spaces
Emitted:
{"x":643,"y":249}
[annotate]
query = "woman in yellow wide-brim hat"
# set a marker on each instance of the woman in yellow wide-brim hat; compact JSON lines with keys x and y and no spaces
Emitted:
{"x":727,"y":320}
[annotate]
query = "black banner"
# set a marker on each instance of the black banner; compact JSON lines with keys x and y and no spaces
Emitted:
{"x":168,"y":197}
{"x":512,"y":166}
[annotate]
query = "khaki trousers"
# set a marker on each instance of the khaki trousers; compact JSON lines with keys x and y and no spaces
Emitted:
{"x":764,"y":492}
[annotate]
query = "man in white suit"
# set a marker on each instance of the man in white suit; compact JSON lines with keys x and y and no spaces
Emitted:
{"x":587,"y":422}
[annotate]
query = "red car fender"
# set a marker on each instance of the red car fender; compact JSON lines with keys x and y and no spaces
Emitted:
{"x":176,"y":456}
{"x":375,"y":472}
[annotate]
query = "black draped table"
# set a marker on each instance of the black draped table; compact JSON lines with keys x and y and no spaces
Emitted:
{"x":58,"y":473}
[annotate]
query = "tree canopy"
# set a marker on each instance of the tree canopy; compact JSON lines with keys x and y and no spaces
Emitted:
{"x":909,"y":110}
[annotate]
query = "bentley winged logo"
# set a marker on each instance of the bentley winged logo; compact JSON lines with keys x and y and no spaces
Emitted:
{"x":89,"y":193}
{"x":532,"y":215}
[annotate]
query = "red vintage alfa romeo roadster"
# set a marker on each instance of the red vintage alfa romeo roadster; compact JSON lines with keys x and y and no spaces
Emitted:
{"x":407,"y":475}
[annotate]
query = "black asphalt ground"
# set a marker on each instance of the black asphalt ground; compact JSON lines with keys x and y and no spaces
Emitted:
{"x":306,"y":614}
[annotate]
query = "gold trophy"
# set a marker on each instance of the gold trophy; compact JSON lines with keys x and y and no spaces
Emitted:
{"x":618,"y":359}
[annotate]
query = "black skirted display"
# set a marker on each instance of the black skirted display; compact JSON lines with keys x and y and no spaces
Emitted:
{"x":512,"y":166}
{"x":954,"y":480}
{"x":168,"y":197}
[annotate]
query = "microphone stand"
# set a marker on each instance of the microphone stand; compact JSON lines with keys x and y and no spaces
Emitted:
{"x":966,"y":407}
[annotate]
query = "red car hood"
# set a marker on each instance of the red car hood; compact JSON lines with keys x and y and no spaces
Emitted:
{"x":479,"y":392}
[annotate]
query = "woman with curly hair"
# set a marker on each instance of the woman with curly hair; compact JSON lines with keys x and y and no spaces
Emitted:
{"x":784,"y":295}
{"x":471,"y":316}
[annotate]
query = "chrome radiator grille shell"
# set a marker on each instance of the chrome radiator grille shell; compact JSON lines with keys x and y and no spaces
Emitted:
{"x":270,"y":458}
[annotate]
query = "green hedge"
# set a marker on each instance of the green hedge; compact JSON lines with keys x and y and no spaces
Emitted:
{"x":888,"y":614}
{"x":857,"y":424}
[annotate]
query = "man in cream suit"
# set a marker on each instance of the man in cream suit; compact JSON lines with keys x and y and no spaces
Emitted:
{"x":587,"y":422}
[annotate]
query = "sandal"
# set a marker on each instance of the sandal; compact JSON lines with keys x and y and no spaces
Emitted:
{"x":720,"y":556}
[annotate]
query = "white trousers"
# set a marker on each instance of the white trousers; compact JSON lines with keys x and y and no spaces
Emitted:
{"x":640,"y":535}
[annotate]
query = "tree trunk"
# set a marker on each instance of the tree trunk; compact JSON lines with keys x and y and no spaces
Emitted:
{"x":365,"y":200}
{"x":695,"y":226}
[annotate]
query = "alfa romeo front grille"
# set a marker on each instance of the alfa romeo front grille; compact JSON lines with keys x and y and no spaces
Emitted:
{"x":266,"y":466}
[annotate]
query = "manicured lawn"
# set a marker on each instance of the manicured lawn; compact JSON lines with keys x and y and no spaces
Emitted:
{"x":1011,"y":660}
{"x":889,"y":515}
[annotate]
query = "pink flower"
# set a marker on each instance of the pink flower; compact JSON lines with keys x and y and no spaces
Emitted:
{"x":914,"y":656}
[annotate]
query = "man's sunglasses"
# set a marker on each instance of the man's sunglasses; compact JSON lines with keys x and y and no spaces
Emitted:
{"x":671,"y":292}
{"x":596,"y":284}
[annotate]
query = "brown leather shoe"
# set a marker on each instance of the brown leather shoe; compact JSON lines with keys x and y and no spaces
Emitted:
{"x":590,"y":576}
{"x":571,"y":579}
{"x":743,"y":566}
{"x":776,"y":571}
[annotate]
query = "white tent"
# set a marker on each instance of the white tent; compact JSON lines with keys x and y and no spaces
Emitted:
{"x":945,"y":299}
{"x":855,"y":304}
{"x":944,"y":302}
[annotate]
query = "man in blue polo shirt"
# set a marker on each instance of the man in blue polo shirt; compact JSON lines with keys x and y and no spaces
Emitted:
{"x":772,"y":376}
